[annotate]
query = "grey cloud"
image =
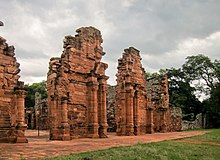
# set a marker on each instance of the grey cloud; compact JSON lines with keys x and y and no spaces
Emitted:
{"x":24,"y":54}
{"x":155,"y":27}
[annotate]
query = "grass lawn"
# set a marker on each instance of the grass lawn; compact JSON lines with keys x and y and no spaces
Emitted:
{"x":166,"y":150}
{"x":213,"y":136}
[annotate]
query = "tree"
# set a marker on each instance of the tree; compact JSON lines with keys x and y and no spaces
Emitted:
{"x":212,"y":107}
{"x":201,"y":71}
{"x":182,"y":93}
{"x":31,"y":90}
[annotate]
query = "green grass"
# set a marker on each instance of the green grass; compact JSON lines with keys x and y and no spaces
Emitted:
{"x":212,"y":136}
{"x":166,"y":150}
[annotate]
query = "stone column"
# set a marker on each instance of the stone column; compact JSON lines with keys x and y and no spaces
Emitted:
{"x":65,"y":129}
{"x":121,"y":115}
{"x":136,"y":113}
{"x":151,"y":118}
{"x":20,"y":122}
{"x":53,"y":102}
{"x":20,"y":106}
{"x":103,"y":125}
{"x":129,"y":110}
{"x":93,"y":109}
{"x":163,"y":120}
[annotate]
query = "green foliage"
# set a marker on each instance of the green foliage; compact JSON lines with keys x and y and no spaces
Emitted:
{"x":171,"y":150}
{"x":212,"y":107}
{"x":204,"y":74}
{"x":32,"y":89}
{"x":202,"y":71}
{"x":151,"y":75}
{"x":182,"y":93}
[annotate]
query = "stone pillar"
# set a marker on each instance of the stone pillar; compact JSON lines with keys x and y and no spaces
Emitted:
{"x":163,"y":120}
{"x":65,"y":129}
{"x":21,"y":126}
{"x":121,"y":116}
{"x":52,"y":117}
{"x":129,"y":109}
{"x":20,"y":106}
{"x":92,"y":109}
{"x":136,"y":113}
{"x":102,"y":109}
{"x":151,"y":120}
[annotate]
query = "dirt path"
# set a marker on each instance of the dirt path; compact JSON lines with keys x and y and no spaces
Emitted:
{"x":41,"y":147}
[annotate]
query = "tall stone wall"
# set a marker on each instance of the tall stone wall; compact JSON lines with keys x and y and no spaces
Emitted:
{"x":76,"y":86}
{"x":130,"y":102}
{"x":158,"y":102}
{"x":12,"y":117}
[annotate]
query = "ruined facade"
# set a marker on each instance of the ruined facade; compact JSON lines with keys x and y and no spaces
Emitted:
{"x":37,"y":116}
{"x":140,"y":106}
{"x":130,"y":102}
{"x":175,"y":119}
{"x":12,"y":117}
{"x":76,"y":86}
{"x":41,"y":112}
{"x":158,"y":104}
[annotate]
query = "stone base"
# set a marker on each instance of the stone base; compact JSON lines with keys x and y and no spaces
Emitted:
{"x":103,"y":131}
{"x":150,"y":129}
{"x":12,"y":136}
{"x":61,"y":134}
{"x":93,"y":131}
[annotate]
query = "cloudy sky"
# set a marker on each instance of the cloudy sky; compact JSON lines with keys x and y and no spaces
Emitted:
{"x":165,"y":31}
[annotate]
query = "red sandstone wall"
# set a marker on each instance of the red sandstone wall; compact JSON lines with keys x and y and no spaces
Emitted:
{"x":130,"y":105}
{"x":12,"y":93}
{"x":77,"y":88}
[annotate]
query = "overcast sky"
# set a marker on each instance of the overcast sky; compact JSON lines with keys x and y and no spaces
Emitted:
{"x":165,"y":31}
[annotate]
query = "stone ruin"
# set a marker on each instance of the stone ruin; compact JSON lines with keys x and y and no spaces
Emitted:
{"x":37,"y":116}
{"x":41,"y":112}
{"x":158,"y":103}
{"x":130,"y":100}
{"x":175,"y":119}
{"x":76,"y":86}
{"x":198,"y":123}
{"x":140,"y":106}
{"x":12,"y":94}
